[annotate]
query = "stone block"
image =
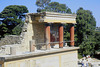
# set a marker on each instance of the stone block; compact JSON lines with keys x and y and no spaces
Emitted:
{"x":32,"y":46}
{"x":13,"y":50}
{"x":7,"y":50}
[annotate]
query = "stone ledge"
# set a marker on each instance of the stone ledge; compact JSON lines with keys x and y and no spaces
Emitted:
{"x":51,"y":17}
{"x":36,"y":54}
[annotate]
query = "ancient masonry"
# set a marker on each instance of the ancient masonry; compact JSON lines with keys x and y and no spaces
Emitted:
{"x":41,"y":43}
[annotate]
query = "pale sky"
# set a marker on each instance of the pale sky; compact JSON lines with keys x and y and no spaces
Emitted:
{"x":92,"y":5}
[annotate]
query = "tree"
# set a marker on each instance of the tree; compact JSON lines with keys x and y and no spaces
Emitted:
{"x":42,"y":3}
{"x":68,"y":10}
{"x":97,"y":37}
{"x":85,"y":31}
{"x":57,"y":7}
{"x":52,"y":6}
{"x":12,"y":16}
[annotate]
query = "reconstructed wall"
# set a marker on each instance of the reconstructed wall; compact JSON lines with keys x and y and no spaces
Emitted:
{"x":20,"y":55}
{"x":64,"y":59}
{"x":39,"y":35}
{"x":28,"y":35}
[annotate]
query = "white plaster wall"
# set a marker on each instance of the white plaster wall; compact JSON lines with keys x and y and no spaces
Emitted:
{"x":64,"y":59}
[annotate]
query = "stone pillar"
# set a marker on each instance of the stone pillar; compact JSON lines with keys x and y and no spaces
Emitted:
{"x":72,"y":35}
{"x":47,"y":30}
{"x":61,"y":36}
{"x":32,"y":46}
{"x":13,"y":50}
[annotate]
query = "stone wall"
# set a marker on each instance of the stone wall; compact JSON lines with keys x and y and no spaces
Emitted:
{"x":28,"y":34}
{"x":10,"y":39}
{"x":24,"y":39}
{"x":35,"y":32}
{"x":31,"y":32}
{"x":20,"y":43}
{"x":64,"y":59}
{"x":39,"y":32}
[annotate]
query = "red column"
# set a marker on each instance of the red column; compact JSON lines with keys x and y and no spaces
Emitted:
{"x":72,"y":35}
{"x":48,"y":36}
{"x":61,"y":36}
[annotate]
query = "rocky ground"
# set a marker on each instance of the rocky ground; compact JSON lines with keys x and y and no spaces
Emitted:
{"x":92,"y":61}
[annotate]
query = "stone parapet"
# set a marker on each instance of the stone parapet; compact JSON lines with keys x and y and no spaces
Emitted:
{"x":63,"y":57}
{"x":37,"y":53}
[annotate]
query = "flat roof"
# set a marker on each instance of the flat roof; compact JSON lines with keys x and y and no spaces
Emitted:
{"x":52,"y":17}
